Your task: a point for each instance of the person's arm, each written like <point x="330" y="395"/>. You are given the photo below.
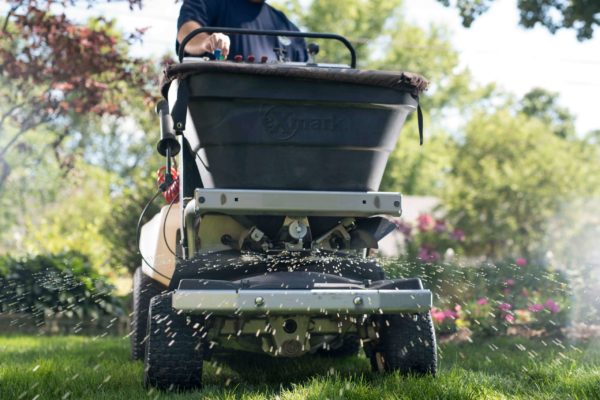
<point x="204" y="42"/>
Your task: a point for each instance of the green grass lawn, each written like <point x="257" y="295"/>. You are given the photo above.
<point x="99" y="368"/>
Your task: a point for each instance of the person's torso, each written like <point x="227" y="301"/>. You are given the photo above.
<point x="258" y="16"/>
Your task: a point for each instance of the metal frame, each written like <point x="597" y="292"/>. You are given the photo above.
<point x="303" y="302"/>
<point x="297" y="203"/>
<point x="238" y="31"/>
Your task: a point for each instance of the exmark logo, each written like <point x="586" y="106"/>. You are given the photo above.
<point x="283" y="124"/>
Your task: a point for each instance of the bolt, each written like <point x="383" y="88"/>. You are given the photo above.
<point x="358" y="301"/>
<point x="259" y="301"/>
<point x="298" y="230"/>
<point x="256" y="235"/>
<point x="179" y="125"/>
<point x="396" y="203"/>
<point x="201" y="199"/>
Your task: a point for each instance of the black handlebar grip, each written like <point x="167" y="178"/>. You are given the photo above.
<point x="167" y="141"/>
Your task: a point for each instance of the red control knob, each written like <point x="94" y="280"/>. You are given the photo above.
<point x="264" y="59"/>
<point x="238" y="58"/>
<point x="251" y="58"/>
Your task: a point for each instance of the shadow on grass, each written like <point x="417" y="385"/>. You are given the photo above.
<point x="265" y="370"/>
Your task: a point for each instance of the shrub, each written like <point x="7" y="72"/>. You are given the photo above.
<point x="59" y="284"/>
<point x="430" y="240"/>
<point x="488" y="298"/>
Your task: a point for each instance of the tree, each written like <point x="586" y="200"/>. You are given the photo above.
<point x="362" y="21"/>
<point x="581" y="15"/>
<point x="74" y="219"/>
<point x="543" y="105"/>
<point x="419" y="171"/>
<point x="593" y="137"/>
<point x="54" y="70"/>
<point x="75" y="126"/>
<point x="510" y="178"/>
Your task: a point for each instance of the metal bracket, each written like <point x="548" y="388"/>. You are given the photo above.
<point x="302" y="302"/>
<point x="297" y="203"/>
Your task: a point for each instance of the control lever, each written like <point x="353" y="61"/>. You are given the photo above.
<point x="168" y="146"/>
<point x="281" y="53"/>
<point x="313" y="50"/>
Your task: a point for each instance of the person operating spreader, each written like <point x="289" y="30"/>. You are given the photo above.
<point x="247" y="14"/>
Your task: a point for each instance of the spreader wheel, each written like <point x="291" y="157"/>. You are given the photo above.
<point x="406" y="344"/>
<point x="144" y="289"/>
<point x="174" y="349"/>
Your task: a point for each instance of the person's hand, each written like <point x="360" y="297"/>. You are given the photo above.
<point x="216" y="41"/>
<point x="204" y="42"/>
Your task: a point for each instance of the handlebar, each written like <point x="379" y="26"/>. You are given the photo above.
<point x="238" y="31"/>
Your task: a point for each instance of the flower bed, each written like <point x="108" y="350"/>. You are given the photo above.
<point x="488" y="298"/>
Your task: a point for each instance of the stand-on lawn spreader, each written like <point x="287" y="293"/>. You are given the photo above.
<point x="264" y="248"/>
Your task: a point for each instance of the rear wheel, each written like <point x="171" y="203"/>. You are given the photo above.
<point x="406" y="344"/>
<point x="144" y="289"/>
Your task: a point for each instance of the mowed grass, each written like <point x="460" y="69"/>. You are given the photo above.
<point x="100" y="368"/>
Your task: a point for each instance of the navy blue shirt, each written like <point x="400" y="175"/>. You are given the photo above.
<point x="248" y="15"/>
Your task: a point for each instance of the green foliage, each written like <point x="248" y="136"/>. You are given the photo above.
<point x="543" y="105"/>
<point x="491" y="298"/>
<point x="407" y="47"/>
<point x="580" y="15"/>
<point x="362" y="21"/>
<point x="59" y="173"/>
<point x="120" y="228"/>
<point x="73" y="220"/>
<point x="417" y="170"/>
<point x="54" y="70"/>
<point x="510" y="177"/>
<point x="593" y="137"/>
<point x="61" y="284"/>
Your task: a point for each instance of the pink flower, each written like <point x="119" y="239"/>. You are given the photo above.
<point x="64" y="86"/>
<point x="505" y="307"/>
<point x="535" y="307"/>
<point x="552" y="306"/>
<point x="509" y="282"/>
<point x="509" y="318"/>
<point x="450" y="314"/>
<point x="438" y="315"/>
<point x="458" y="235"/>
<point x="425" y="222"/>
<point x="440" y="226"/>
<point x="429" y="255"/>
<point x="482" y="301"/>
<point x="457" y="308"/>
<point x="521" y="262"/>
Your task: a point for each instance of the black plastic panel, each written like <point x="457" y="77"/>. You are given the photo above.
<point x="264" y="132"/>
